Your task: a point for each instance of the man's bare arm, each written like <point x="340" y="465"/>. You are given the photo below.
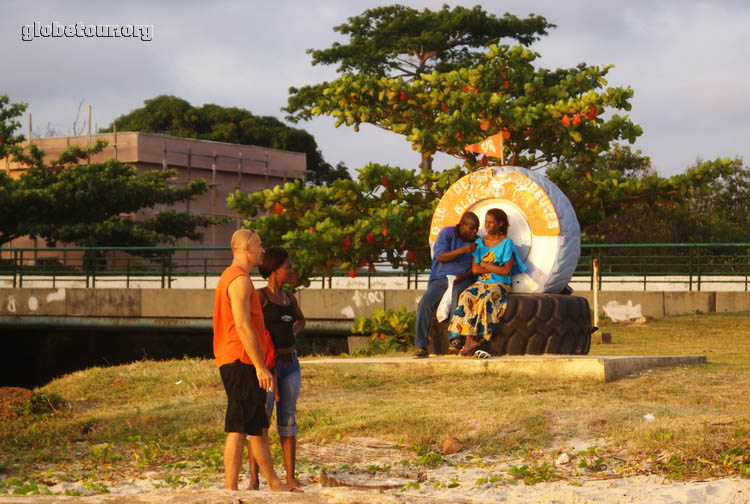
<point x="240" y="290"/>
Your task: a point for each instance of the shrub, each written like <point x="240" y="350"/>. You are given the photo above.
<point x="388" y="330"/>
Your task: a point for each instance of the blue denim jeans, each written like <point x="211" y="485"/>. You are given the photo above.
<point x="431" y="298"/>
<point x="288" y="377"/>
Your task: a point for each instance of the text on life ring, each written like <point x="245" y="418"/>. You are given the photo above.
<point x="485" y="184"/>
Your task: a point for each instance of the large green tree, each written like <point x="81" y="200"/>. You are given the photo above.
<point x="11" y="206"/>
<point x="349" y="225"/>
<point x="95" y="205"/>
<point x="624" y="200"/>
<point x="9" y="113"/>
<point x="435" y="78"/>
<point x="723" y="204"/>
<point x="397" y="41"/>
<point x="440" y="82"/>
<point x="174" y="116"/>
<point x="442" y="97"/>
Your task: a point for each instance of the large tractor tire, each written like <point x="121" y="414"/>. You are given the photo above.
<point x="533" y="324"/>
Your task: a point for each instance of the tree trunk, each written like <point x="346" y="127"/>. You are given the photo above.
<point x="426" y="163"/>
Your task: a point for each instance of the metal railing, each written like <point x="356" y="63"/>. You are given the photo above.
<point x="643" y="264"/>
<point x="160" y="265"/>
<point x="129" y="263"/>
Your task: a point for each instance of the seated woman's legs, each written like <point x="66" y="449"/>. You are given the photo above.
<point x="480" y="308"/>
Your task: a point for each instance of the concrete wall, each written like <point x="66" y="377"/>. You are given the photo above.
<point x="320" y="304"/>
<point x="670" y="303"/>
<point x="732" y="302"/>
<point x="651" y="303"/>
<point x="182" y="303"/>
<point x="337" y="304"/>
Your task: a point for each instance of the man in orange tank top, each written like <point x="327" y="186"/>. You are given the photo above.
<point x="238" y="347"/>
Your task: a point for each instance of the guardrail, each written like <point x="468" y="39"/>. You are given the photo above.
<point x="644" y="263"/>
<point x="621" y="263"/>
<point x="131" y="264"/>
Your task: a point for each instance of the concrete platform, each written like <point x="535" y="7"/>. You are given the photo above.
<point x="564" y="367"/>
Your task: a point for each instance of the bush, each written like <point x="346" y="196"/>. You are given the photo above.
<point x="41" y="403"/>
<point x="388" y="330"/>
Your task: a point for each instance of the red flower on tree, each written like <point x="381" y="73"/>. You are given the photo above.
<point x="352" y="273"/>
<point x="277" y="208"/>
<point x="565" y="120"/>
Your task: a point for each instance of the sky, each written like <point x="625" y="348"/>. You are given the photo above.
<point x="686" y="60"/>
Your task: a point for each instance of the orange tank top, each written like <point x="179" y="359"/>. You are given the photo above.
<point x="227" y="345"/>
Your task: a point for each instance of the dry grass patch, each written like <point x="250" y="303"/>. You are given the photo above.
<point x="168" y="416"/>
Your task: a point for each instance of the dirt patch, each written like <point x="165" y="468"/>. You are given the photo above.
<point x="359" y="451"/>
<point x="368" y="471"/>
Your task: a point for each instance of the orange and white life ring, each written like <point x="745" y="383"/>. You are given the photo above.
<point x="542" y="221"/>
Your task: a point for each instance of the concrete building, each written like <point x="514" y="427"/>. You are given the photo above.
<point x="224" y="166"/>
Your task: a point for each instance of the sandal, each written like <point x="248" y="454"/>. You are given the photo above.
<point x="421" y="353"/>
<point x="470" y="346"/>
<point x="481" y="354"/>
<point x="455" y="346"/>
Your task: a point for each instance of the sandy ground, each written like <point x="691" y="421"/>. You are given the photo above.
<point x="373" y="471"/>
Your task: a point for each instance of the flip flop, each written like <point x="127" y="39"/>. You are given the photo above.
<point x="481" y="354"/>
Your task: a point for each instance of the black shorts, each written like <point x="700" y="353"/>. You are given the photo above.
<point x="246" y="401"/>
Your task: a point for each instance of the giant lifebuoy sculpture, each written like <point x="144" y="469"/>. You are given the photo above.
<point x="543" y="223"/>
<point x="545" y="230"/>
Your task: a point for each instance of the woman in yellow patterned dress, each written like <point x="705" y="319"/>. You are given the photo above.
<point x="481" y="306"/>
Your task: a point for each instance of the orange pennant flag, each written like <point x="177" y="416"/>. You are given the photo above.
<point x="490" y="146"/>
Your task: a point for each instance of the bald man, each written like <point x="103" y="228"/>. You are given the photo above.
<point x="238" y="347"/>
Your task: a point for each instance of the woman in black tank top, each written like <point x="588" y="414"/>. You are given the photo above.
<point x="284" y="321"/>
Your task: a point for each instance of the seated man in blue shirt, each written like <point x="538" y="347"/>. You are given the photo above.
<point x="451" y="256"/>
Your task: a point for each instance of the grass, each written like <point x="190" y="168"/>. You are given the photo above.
<point x="168" y="416"/>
